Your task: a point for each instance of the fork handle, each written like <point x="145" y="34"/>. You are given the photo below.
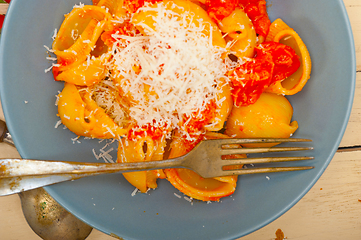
<point x="14" y="178"/>
<point x="10" y="168"/>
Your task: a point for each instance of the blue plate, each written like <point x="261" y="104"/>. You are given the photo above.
<point x="322" y="110"/>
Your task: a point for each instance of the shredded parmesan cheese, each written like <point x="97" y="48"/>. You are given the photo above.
<point x="134" y="192"/>
<point x="177" y="195"/>
<point x="54" y="34"/>
<point x="169" y="73"/>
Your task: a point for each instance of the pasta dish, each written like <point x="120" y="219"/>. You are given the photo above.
<point x="159" y="76"/>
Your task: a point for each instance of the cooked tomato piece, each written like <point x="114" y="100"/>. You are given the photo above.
<point x="285" y="59"/>
<point x="250" y="80"/>
<point x="2" y="17"/>
<point x="219" y="9"/>
<point x="273" y="62"/>
<point x="257" y="12"/>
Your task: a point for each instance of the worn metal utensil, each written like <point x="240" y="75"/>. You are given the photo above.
<point x="18" y="175"/>
<point x="48" y="219"/>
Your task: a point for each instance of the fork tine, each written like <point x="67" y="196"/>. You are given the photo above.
<point x="238" y="161"/>
<point x="230" y="151"/>
<point x="264" y="170"/>
<point x="262" y="140"/>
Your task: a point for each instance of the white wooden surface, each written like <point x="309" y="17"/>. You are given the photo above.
<point x="330" y="210"/>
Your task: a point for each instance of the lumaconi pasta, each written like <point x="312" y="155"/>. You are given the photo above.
<point x="239" y="28"/>
<point x="79" y="34"/>
<point x="187" y="181"/>
<point x="82" y="115"/>
<point x="159" y="76"/>
<point x="281" y="32"/>
<point x="222" y="113"/>
<point x="269" y="117"/>
<point x="133" y="151"/>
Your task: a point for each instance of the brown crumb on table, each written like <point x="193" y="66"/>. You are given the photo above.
<point x="359" y="200"/>
<point x="280" y="235"/>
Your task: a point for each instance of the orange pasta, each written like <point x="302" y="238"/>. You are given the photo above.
<point x="132" y="151"/>
<point x="195" y="186"/>
<point x="269" y="117"/>
<point x="159" y="76"/>
<point x="84" y="117"/>
<point x="280" y="32"/>
<point x="240" y="32"/>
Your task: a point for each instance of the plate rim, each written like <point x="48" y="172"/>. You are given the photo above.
<point x="286" y="208"/>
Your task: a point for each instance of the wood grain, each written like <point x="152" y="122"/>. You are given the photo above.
<point x="330" y="210"/>
<point x="3" y="8"/>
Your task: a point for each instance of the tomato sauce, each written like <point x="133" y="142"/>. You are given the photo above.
<point x="256" y="10"/>
<point x="219" y="9"/>
<point x="272" y="62"/>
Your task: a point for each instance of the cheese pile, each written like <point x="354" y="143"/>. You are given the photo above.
<point x="170" y="71"/>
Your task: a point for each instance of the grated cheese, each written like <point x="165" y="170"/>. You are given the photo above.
<point x="95" y="154"/>
<point x="54" y="34"/>
<point x="48" y="49"/>
<point x="76" y="140"/>
<point x="51" y="58"/>
<point x="58" y="123"/>
<point x="134" y="192"/>
<point x="177" y="195"/>
<point x="81" y="5"/>
<point x="169" y="73"/>
<point x="106" y="156"/>
<point x="48" y="69"/>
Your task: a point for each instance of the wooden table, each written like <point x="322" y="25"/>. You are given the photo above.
<point x="330" y="210"/>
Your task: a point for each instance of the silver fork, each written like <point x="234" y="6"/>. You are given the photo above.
<point x="18" y="175"/>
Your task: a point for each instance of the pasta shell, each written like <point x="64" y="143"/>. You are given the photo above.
<point x="239" y="28"/>
<point x="277" y="26"/>
<point x="78" y="35"/>
<point x="134" y="151"/>
<point x="81" y="115"/>
<point x="195" y="186"/>
<point x="86" y="74"/>
<point x="294" y="83"/>
<point x="269" y="117"/>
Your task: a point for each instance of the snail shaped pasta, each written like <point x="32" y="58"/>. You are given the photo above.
<point x="269" y="117"/>
<point x="77" y="37"/>
<point x="119" y="59"/>
<point x="115" y="7"/>
<point x="82" y="115"/>
<point x="135" y="151"/>
<point x="240" y="32"/>
<point x="224" y="96"/>
<point x="282" y="33"/>
<point x="195" y="186"/>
